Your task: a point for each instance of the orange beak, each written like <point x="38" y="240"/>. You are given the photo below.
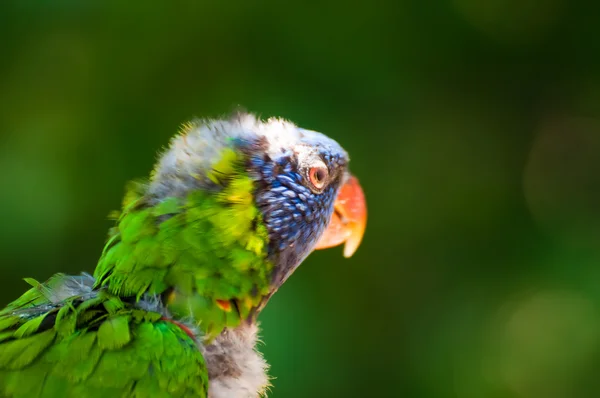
<point x="348" y="221"/>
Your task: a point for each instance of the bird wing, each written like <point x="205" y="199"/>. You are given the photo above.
<point x="93" y="345"/>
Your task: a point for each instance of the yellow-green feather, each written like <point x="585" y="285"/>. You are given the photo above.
<point x="206" y="247"/>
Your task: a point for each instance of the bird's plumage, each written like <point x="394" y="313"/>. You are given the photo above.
<point x="230" y="210"/>
<point x="93" y="344"/>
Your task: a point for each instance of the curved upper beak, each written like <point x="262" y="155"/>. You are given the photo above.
<point x="349" y="219"/>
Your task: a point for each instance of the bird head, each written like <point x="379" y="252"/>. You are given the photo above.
<point x="301" y="183"/>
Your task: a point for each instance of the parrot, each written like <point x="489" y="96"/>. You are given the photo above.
<point x="232" y="207"/>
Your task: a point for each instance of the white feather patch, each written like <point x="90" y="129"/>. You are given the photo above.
<point x="235" y="368"/>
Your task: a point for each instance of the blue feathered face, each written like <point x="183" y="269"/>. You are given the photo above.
<point x="298" y="174"/>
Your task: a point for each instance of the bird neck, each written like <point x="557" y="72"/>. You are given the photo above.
<point x="234" y="365"/>
<point x="205" y="255"/>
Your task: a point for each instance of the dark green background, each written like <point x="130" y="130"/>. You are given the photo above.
<point x="473" y="126"/>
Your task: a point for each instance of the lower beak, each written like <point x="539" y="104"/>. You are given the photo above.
<point x="349" y="219"/>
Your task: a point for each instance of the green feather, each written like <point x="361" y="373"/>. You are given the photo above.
<point x="29" y="327"/>
<point x="7" y="322"/>
<point x="114" y="333"/>
<point x="115" y="350"/>
<point x="19" y="353"/>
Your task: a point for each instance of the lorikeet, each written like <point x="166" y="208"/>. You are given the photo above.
<point x="231" y="209"/>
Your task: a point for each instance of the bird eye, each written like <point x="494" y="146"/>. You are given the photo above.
<point x="318" y="176"/>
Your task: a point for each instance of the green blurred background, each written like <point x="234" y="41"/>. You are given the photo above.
<point x="473" y="126"/>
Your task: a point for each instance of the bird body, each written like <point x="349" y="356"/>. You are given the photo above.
<point x="229" y="212"/>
